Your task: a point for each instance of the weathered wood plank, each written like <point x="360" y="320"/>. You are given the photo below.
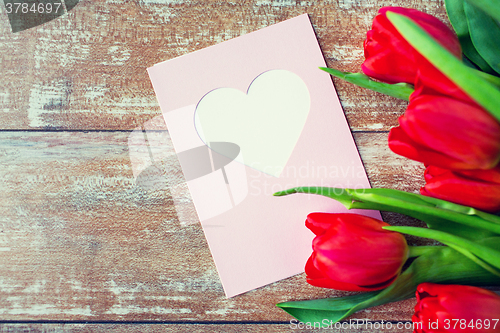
<point x="80" y="239"/>
<point x="87" y="69"/>
<point x="182" y="328"/>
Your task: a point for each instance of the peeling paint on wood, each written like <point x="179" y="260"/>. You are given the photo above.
<point x="87" y="69"/>
<point x="85" y="242"/>
<point x="82" y="237"/>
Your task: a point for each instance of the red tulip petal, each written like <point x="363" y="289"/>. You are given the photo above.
<point x="460" y="130"/>
<point x="465" y="191"/>
<point x="401" y="144"/>
<point x="437" y="303"/>
<point x="390" y="58"/>
<point x="359" y="251"/>
<point x="315" y="278"/>
<point x="431" y="25"/>
<point x="431" y="81"/>
<point x="447" y="133"/>
<point x="490" y="176"/>
<point x="319" y="223"/>
<point x="353" y="252"/>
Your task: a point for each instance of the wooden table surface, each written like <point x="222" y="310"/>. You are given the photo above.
<point x="83" y="247"/>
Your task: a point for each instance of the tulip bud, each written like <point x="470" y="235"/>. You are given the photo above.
<point x="390" y="58"/>
<point x="352" y="252"/>
<point x="447" y="132"/>
<point x="474" y="188"/>
<point x="455" y="308"/>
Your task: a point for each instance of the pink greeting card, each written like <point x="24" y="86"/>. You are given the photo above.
<point x="249" y="117"/>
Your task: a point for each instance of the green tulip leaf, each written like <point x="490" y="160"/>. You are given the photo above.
<point x="456" y="14"/>
<point x="493" y="242"/>
<point x="485" y="35"/>
<point x="484" y="32"/>
<point x="479" y="89"/>
<point x="332" y="309"/>
<point x="398" y="90"/>
<point x="483" y="252"/>
<point x="440" y="265"/>
<point x="474" y="258"/>
<point x="490" y="7"/>
<point x="417" y="251"/>
<point x="438" y="214"/>
<point x="490" y="78"/>
<point x="443" y="216"/>
<point x="468" y="62"/>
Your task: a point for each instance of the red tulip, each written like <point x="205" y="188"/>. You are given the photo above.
<point x="352" y="252"/>
<point x="447" y="132"/>
<point x="455" y="308"/>
<point x="475" y="188"/>
<point x="390" y="58"/>
<point x="431" y="81"/>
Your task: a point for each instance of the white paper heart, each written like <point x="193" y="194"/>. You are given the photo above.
<point x="265" y="123"/>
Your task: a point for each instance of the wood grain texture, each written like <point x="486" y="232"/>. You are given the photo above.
<point x="87" y="69"/>
<point x="81" y="238"/>
<point x="176" y="328"/>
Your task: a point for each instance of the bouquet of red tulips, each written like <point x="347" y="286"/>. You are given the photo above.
<point x="452" y="125"/>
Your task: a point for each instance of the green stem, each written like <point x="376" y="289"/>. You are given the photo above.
<point x="411" y="208"/>
<point x="477" y="260"/>
<point x="398" y="90"/>
<point x="441" y="265"/>
<point x="417" y="251"/>
<point x="438" y="214"/>
<point x="490" y="78"/>
<point x="485" y="253"/>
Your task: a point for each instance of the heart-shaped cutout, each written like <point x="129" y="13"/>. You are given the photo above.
<point x="265" y="123"/>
